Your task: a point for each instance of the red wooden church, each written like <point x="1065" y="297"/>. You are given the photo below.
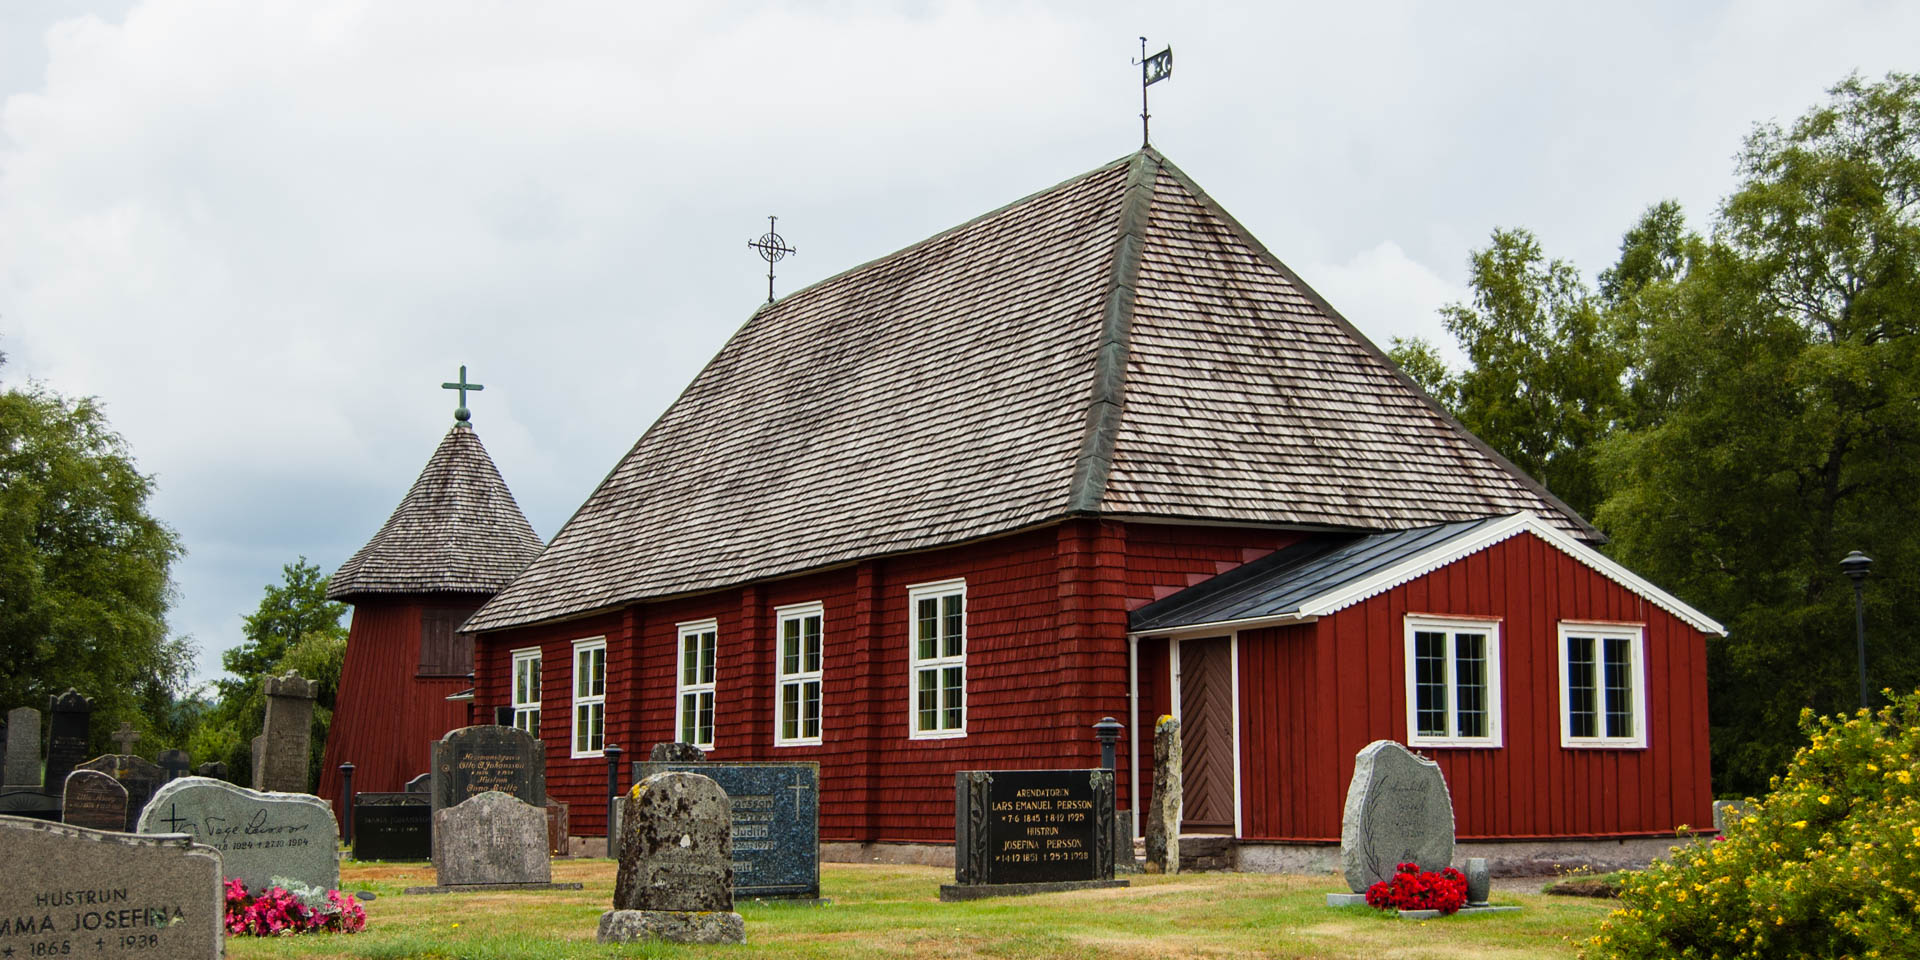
<point x="454" y="540"/>
<point x="1095" y="453"/>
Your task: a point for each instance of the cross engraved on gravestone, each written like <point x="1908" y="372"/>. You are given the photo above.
<point x="262" y="836"/>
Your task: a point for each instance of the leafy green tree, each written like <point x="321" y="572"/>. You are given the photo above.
<point x="84" y="567"/>
<point x="1422" y="361"/>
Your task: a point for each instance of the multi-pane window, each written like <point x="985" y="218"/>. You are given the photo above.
<point x="1602" y="685"/>
<point x="1453" y="682"/>
<point x="694" y="710"/>
<point x="589" y="697"/>
<point x="526" y="691"/>
<point x="797" y="674"/>
<point x="937" y="617"/>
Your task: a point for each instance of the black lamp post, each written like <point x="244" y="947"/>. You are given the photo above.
<point x="1107" y="731"/>
<point x="346" y="799"/>
<point x="1855" y="566"/>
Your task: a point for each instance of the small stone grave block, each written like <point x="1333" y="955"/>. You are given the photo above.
<point x="490" y="842"/>
<point x="1031" y="831"/>
<point x="775" y="827"/>
<point x="94" y="800"/>
<point x="138" y="774"/>
<point x="264" y="838"/>
<point x="212" y="769"/>
<point x="556" y="828"/>
<point x="1398" y="811"/>
<point x="75" y="892"/>
<point x="69" y="727"/>
<point x="23" y="749"/>
<point x="392" y="826"/>
<point x="676" y="864"/>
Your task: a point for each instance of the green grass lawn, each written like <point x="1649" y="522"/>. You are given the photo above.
<point x="893" y="911"/>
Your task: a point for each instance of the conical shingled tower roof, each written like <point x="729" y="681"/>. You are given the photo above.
<point x="458" y="530"/>
<point x="1117" y="345"/>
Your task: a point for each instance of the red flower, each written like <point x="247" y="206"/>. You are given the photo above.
<point x="1411" y="889"/>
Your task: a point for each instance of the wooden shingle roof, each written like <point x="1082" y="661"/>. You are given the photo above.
<point x="458" y="530"/>
<point x="1115" y="345"/>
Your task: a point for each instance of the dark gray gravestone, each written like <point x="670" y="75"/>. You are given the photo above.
<point x="1028" y="831"/>
<point x="420" y="784"/>
<point x="287" y="752"/>
<point x="94" y="800"/>
<point x="556" y="828"/>
<point x="23" y="749"/>
<point x="474" y="760"/>
<point x="775" y="827"/>
<point x="31" y="802"/>
<point x="392" y="826"/>
<point x="138" y="774"/>
<point x="174" y="764"/>
<point x="491" y="838"/>
<point x="264" y="838"/>
<point x="675" y="753"/>
<point x="69" y="728"/>
<point x="212" y="769"/>
<point x="676" y="866"/>
<point x="1398" y="811"/>
<point x="71" y="892"/>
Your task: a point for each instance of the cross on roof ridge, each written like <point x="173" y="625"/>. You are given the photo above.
<point x="461" y="413"/>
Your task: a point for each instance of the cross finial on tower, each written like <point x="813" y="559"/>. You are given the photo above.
<point x="461" y="413"/>
<point x="773" y="248"/>
<point x="1152" y="70"/>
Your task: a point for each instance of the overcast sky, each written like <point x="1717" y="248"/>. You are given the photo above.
<point x="263" y="232"/>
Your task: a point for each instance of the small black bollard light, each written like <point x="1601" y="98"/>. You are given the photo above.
<point x="346" y="800"/>
<point x="1107" y="731"/>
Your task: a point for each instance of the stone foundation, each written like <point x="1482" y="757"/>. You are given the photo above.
<point x="1505" y="858"/>
<point x="672" y="926"/>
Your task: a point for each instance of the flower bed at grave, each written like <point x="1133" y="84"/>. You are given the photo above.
<point x="1410" y="889"/>
<point x="275" y="912"/>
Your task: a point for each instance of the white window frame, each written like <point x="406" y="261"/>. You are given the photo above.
<point x="682" y="689"/>
<point x="526" y="700"/>
<point x="1452" y="627"/>
<point x="584" y="696"/>
<point x="799" y="614"/>
<point x="1636" y="636"/>
<point x="939" y="663"/>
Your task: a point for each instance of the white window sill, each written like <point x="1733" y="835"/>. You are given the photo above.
<point x="938" y="735"/>
<point x="797" y="743"/>
<point x="1584" y="744"/>
<point x="1453" y="744"/>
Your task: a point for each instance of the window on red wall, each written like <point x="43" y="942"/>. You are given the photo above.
<point x="1453" y="681"/>
<point x="1603" y="693"/>
<point x="937" y="617"/>
<point x="798" y="672"/>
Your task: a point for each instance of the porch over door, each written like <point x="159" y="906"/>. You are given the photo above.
<point x="1206" y="735"/>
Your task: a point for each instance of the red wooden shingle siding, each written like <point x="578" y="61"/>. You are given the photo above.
<point x="1312" y="696"/>
<point x="385" y="718"/>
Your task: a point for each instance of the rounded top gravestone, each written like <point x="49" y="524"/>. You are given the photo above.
<point x="264" y="838"/>
<point x="1398" y="811"/>
<point x="491" y="838"/>
<point x="677" y="848"/>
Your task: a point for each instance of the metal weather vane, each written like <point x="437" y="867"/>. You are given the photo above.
<point x="1152" y="70"/>
<point x="461" y="413"/>
<point x="773" y="248"/>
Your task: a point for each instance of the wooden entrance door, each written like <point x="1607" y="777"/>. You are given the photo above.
<point x="1206" y="735"/>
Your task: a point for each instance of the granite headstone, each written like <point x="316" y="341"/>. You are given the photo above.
<point x="138" y="774"/>
<point x="69" y="729"/>
<point x="420" y="784"/>
<point x="491" y="838"/>
<point x="1027" y="831"/>
<point x="258" y="749"/>
<point x="474" y="760"/>
<point x="214" y="769"/>
<point x="94" y="800"/>
<point x="1163" y="814"/>
<point x="1398" y="811"/>
<point x="71" y="891"/>
<point x="23" y="748"/>
<point x="775" y="826"/>
<point x="174" y="764"/>
<point x="676" y="864"/>
<point x="264" y="837"/>
<point x="392" y="826"/>
<point x="675" y="752"/>
<point x="287" y="753"/>
<point x="29" y="802"/>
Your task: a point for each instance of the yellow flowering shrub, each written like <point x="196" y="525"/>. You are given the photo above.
<point x="1826" y="865"/>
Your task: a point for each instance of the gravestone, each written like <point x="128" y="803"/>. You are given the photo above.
<point x="174" y="764"/>
<point x="69" y="728"/>
<point x="212" y="769"/>
<point x="420" y="784"/>
<point x="1398" y="811"/>
<point x="31" y="802"/>
<point x="392" y="826"/>
<point x="74" y="892"/>
<point x="474" y="760"/>
<point x="1163" y="815"/>
<point x="676" y="864"/>
<point x="264" y="838"/>
<point x="139" y="775"/>
<point x="775" y="826"/>
<point x="675" y="752"/>
<point x="94" y="800"/>
<point x="557" y="828"/>
<point x="23" y="748"/>
<point x="126" y="737"/>
<point x="491" y="841"/>
<point x="1031" y="831"/>
<point x="287" y="751"/>
<point x="258" y="747"/>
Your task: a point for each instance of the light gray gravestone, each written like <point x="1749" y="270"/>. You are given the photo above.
<point x="23" y="748"/>
<point x="137" y="774"/>
<point x="676" y="752"/>
<point x="287" y="752"/>
<point x="69" y="729"/>
<point x="258" y="746"/>
<point x="1398" y="811"/>
<point x="71" y="892"/>
<point x="264" y="838"/>
<point x="1163" y="815"/>
<point x="94" y="800"/>
<point x="491" y="838"/>
<point x="676" y="864"/>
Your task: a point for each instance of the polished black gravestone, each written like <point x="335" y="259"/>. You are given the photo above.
<point x="776" y="824"/>
<point x="31" y="802"/>
<point x="392" y="826"/>
<point x="471" y="761"/>
<point x="69" y="727"/>
<point x="1031" y="831"/>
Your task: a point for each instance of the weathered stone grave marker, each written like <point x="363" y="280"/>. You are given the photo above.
<point x="287" y="751"/>
<point x="675" y="752"/>
<point x="212" y="769"/>
<point x="676" y="865"/>
<point x="1398" y="811"/>
<point x="23" y="749"/>
<point x="94" y="800"/>
<point x="126" y="737"/>
<point x="775" y="827"/>
<point x="1163" y="816"/>
<point x="174" y="764"/>
<point x="1031" y="831"/>
<point x="71" y="891"/>
<point x="137" y="774"/>
<point x="264" y="838"/>
<point x="474" y="760"/>
<point x="69" y="728"/>
<point x="488" y="842"/>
